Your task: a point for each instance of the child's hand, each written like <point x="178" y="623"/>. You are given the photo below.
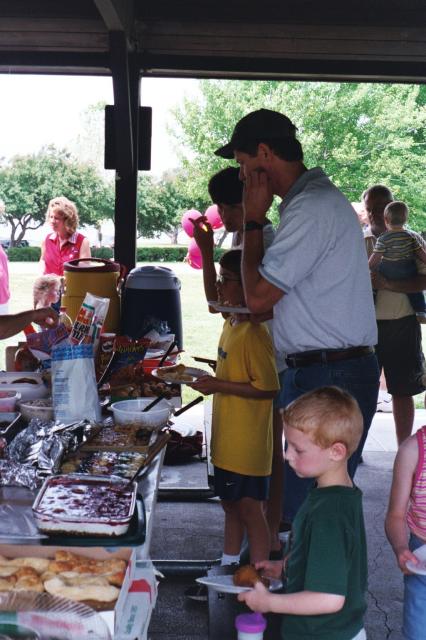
<point x="402" y="556"/>
<point x="205" y="385"/>
<point x="257" y="599"/>
<point x="271" y="568"/>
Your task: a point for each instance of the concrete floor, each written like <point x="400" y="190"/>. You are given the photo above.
<point x="193" y="530"/>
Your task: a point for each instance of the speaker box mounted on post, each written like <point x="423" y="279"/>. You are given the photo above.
<point x="144" y="138"/>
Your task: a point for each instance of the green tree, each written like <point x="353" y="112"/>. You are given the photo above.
<point x="27" y="183"/>
<point x="360" y="134"/>
<point x="161" y="204"/>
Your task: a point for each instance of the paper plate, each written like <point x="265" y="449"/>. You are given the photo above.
<point x="225" y="308"/>
<point x="225" y="584"/>
<point x="41" y="616"/>
<point x="191" y="371"/>
<point x="420" y="568"/>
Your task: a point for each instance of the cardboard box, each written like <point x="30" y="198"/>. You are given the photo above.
<point x="138" y="593"/>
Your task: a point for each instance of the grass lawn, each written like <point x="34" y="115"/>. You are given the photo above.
<point x="201" y="329"/>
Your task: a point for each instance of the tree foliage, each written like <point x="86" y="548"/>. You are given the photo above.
<point x="161" y="204"/>
<point x="27" y="183"/>
<point x="360" y="134"/>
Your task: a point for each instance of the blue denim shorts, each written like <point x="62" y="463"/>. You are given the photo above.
<point x="414" y="618"/>
<point x="232" y="486"/>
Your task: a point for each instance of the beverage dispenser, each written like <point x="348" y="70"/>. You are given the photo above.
<point x="151" y="298"/>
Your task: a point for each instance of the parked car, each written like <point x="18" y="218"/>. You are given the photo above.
<point x="6" y="243"/>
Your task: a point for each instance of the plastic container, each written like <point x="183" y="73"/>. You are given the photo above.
<point x="151" y="298"/>
<point x="96" y="276"/>
<point x="250" y="626"/>
<point x="28" y="383"/>
<point x="8" y="400"/>
<point x="40" y="408"/>
<point x="131" y="411"/>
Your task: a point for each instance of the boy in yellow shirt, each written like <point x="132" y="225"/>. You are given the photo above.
<point x="241" y="446"/>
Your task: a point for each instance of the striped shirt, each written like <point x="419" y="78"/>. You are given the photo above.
<point x="399" y="245"/>
<point x="416" y="514"/>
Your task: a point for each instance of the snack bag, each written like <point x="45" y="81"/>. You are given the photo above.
<point x="126" y="364"/>
<point x="41" y="342"/>
<point x="88" y="323"/>
<point x="74" y="390"/>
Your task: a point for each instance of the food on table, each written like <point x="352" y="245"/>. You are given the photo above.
<point x="85" y="505"/>
<point x="82" y="589"/>
<point x="105" y="463"/>
<point x="22" y="381"/>
<point x="78" y="578"/>
<point x="247" y="576"/>
<point x="129" y="437"/>
<point x="175" y="372"/>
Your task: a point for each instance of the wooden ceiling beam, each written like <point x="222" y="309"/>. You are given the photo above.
<point x="118" y="15"/>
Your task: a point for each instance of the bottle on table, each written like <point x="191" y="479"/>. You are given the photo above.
<point x="64" y="318"/>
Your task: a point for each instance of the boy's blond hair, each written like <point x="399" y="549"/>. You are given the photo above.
<point x="396" y="213"/>
<point x="43" y="285"/>
<point x="328" y="415"/>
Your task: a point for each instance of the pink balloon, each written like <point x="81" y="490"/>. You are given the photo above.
<point x="212" y="215"/>
<point x="194" y="257"/>
<point x="186" y="223"/>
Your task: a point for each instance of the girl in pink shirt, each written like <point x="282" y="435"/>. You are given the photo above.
<point x="4" y="283"/>
<point x="407" y="514"/>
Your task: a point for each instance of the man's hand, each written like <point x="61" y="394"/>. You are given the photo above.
<point x="205" y="385"/>
<point x="203" y="234"/>
<point x="378" y="281"/>
<point x="46" y="317"/>
<point x="257" y="196"/>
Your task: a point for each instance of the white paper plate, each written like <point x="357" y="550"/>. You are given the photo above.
<point x="420" y="568"/>
<point x="224" y="308"/>
<point x="191" y="371"/>
<point x="225" y="584"/>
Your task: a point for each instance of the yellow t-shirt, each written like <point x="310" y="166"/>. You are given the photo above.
<point x="242" y="427"/>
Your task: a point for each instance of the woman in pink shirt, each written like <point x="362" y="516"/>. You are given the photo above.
<point x="4" y="283"/>
<point x="64" y="243"/>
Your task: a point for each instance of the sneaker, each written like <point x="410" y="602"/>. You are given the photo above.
<point x="197" y="592"/>
<point x="384" y="402"/>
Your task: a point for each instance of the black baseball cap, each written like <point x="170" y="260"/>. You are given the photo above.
<point x="257" y="125"/>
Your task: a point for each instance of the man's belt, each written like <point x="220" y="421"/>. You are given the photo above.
<point x="306" y="358"/>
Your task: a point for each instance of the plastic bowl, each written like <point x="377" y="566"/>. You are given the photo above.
<point x="8" y="401"/>
<point x="39" y="408"/>
<point x="130" y="412"/>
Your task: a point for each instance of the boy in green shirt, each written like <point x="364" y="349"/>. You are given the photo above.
<point x="326" y="569"/>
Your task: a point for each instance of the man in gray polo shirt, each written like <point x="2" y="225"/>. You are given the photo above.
<point x="314" y="276"/>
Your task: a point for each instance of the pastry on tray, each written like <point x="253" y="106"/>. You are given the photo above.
<point x="94" y="582"/>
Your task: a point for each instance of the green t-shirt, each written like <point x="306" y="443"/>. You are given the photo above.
<point x="329" y="555"/>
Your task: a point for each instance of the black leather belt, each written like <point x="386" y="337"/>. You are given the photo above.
<point x="306" y="358"/>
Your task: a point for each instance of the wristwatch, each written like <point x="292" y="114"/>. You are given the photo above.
<point x="252" y="225"/>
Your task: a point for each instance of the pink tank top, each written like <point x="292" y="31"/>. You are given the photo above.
<point x="4" y="277"/>
<point x="416" y="514"/>
<point x="55" y="255"/>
